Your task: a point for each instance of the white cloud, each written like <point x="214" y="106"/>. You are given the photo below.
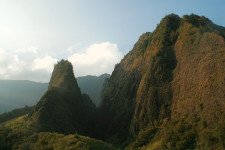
<point x="26" y="50"/>
<point x="36" y="65"/>
<point x="70" y="49"/>
<point x="45" y="63"/>
<point x="96" y="59"/>
<point x="73" y="48"/>
<point x="25" y="64"/>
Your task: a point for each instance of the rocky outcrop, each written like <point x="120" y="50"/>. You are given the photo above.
<point x="62" y="108"/>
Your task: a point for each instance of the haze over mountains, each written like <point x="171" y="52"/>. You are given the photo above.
<point x="92" y="85"/>
<point x="166" y="93"/>
<point x="18" y="93"/>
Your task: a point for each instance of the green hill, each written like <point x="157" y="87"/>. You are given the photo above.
<point x="19" y="134"/>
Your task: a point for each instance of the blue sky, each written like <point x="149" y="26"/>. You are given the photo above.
<point x="37" y="33"/>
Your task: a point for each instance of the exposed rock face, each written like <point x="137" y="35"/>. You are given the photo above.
<point x="154" y="95"/>
<point x="63" y="108"/>
<point x="176" y="72"/>
<point x="63" y="77"/>
<point x="199" y="78"/>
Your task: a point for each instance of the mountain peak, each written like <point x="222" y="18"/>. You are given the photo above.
<point x="62" y="108"/>
<point x="63" y="76"/>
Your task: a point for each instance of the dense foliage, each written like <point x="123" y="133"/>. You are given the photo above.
<point x="12" y="136"/>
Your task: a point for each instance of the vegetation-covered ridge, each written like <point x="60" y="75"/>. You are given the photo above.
<point x="174" y="76"/>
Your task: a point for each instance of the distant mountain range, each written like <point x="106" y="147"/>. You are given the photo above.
<point x="18" y="93"/>
<point x="92" y="85"/>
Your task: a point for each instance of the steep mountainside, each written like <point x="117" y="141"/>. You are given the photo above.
<point x="62" y="108"/>
<point x="14" y="94"/>
<point x="174" y="75"/>
<point x="92" y="85"/>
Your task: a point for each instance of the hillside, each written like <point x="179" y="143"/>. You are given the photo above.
<point x="13" y="94"/>
<point x="92" y="86"/>
<point x="15" y="113"/>
<point x="19" y="134"/>
<point x="173" y="77"/>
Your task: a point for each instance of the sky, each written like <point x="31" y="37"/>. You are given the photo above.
<point x="93" y="34"/>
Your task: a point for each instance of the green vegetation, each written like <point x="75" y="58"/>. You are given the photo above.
<point x="15" y="113"/>
<point x="12" y="137"/>
<point x="52" y="141"/>
<point x="181" y="134"/>
<point x="143" y="138"/>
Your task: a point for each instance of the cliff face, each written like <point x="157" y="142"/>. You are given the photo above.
<point x="198" y="85"/>
<point x="174" y="73"/>
<point x="154" y="95"/>
<point x="118" y="96"/>
<point x="62" y="108"/>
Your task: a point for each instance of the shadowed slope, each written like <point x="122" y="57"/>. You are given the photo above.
<point x="62" y="108"/>
<point x="92" y="85"/>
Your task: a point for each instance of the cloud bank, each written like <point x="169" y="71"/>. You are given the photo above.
<point x="25" y="64"/>
<point x="96" y="59"/>
<point x="32" y="64"/>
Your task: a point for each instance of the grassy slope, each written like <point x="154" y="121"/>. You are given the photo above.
<point x="15" y="113"/>
<point x="19" y="134"/>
